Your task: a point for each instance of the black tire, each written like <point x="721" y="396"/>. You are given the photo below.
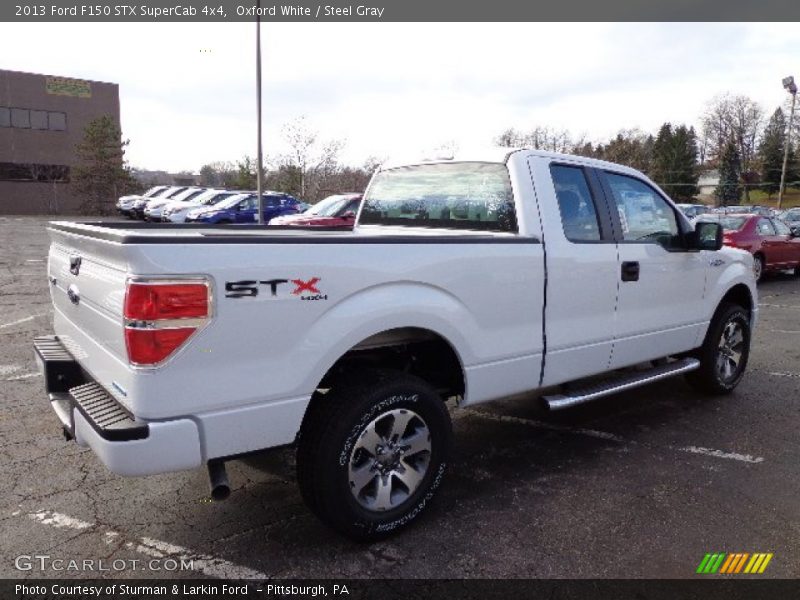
<point x="758" y="267"/>
<point x="332" y="444"/>
<point x="716" y="355"/>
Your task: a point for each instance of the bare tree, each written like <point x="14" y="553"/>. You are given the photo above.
<point x="312" y="166"/>
<point x="737" y="119"/>
<point x="539" y="138"/>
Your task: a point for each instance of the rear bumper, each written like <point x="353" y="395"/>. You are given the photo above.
<point x="93" y="418"/>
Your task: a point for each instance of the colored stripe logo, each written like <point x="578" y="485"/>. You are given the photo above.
<point x="734" y="563"/>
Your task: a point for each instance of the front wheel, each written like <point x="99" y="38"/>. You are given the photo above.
<point x="372" y="453"/>
<point x="724" y="353"/>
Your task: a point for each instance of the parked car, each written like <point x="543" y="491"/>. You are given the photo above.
<point x="693" y="210"/>
<point x="773" y="244"/>
<point x="137" y="208"/>
<point x="154" y="208"/>
<point x="175" y="211"/>
<point x="125" y="203"/>
<point x="174" y="350"/>
<point x="334" y="211"/>
<point x="791" y="217"/>
<point x="243" y="208"/>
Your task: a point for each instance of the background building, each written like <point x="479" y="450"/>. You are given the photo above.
<point x="42" y="118"/>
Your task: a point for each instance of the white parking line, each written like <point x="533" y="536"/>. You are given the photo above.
<point x="783" y="374"/>
<point x="720" y="454"/>
<point x="604" y="435"/>
<point x="18" y="321"/>
<point x="23" y="320"/>
<point x="601" y="435"/>
<point x="57" y="520"/>
<point x="204" y="563"/>
<point x="24" y="376"/>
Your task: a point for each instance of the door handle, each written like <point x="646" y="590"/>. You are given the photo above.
<point x="630" y="270"/>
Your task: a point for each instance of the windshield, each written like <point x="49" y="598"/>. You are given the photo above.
<point x="191" y="195"/>
<point x="153" y="191"/>
<point x="231" y="201"/>
<point x="331" y="206"/>
<point x="215" y="198"/>
<point x="466" y="195"/>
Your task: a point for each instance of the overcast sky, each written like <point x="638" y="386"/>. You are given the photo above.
<point x="187" y="91"/>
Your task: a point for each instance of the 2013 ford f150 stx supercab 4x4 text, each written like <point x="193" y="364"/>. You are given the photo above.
<point x="474" y="277"/>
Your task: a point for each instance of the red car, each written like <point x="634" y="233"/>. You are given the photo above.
<point x="334" y="211"/>
<point x="774" y="246"/>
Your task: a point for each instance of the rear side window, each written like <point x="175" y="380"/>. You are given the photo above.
<point x="465" y="195"/>
<point x="643" y="213"/>
<point x="578" y="212"/>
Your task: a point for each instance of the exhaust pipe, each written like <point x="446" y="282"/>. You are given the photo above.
<point x="218" y="478"/>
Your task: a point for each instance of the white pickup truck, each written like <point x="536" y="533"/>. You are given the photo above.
<point x="474" y="277"/>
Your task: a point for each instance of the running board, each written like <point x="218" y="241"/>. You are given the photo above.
<point x="625" y="382"/>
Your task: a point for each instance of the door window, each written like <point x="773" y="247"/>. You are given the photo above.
<point x="781" y="227"/>
<point x="644" y="215"/>
<point x="575" y="202"/>
<point x="765" y="227"/>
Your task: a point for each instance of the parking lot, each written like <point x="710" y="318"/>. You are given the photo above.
<point x="641" y="484"/>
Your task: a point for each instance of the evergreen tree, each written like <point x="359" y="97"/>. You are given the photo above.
<point x="674" y="164"/>
<point x="770" y="155"/>
<point x="729" y="190"/>
<point x="770" y="152"/>
<point x="102" y="175"/>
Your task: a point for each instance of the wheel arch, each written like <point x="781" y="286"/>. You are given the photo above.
<point x="738" y="294"/>
<point x="419" y="350"/>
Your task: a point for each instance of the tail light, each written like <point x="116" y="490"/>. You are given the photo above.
<point x="161" y="316"/>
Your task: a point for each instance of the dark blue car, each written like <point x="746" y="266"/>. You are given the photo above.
<point x="242" y="208"/>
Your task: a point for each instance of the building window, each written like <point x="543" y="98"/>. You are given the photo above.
<point x="58" y="121"/>
<point x="34" y="172"/>
<point x="21" y="118"/>
<point x="39" y="119"/>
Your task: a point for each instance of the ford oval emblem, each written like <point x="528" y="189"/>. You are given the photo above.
<point x="73" y="294"/>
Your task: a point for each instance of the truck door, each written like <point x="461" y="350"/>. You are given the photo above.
<point x="582" y="267"/>
<point x="660" y="309"/>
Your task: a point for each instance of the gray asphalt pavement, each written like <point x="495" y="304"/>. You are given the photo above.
<point x="641" y="484"/>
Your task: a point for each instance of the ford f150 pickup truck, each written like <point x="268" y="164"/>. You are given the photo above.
<point x="472" y="277"/>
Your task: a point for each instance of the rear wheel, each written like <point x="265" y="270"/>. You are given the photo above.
<point x="372" y="453"/>
<point x="724" y="353"/>
<point x="758" y="267"/>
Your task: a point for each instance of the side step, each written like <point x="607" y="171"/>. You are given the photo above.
<point x="625" y="382"/>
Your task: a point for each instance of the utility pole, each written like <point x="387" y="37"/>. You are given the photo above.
<point x="791" y="87"/>
<point x="260" y="158"/>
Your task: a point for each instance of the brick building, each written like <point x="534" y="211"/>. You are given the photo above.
<point x="42" y="118"/>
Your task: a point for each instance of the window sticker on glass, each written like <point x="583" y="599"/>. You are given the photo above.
<point x="623" y="219"/>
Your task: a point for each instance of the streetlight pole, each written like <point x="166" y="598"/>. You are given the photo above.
<point x="791" y="87"/>
<point x="260" y="157"/>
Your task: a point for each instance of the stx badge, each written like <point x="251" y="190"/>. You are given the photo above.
<point x="250" y="288"/>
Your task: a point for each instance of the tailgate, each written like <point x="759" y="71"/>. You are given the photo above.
<point x="87" y="286"/>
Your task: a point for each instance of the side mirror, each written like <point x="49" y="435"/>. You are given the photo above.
<point x="350" y="214"/>
<point x="795" y="231"/>
<point x="706" y="236"/>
